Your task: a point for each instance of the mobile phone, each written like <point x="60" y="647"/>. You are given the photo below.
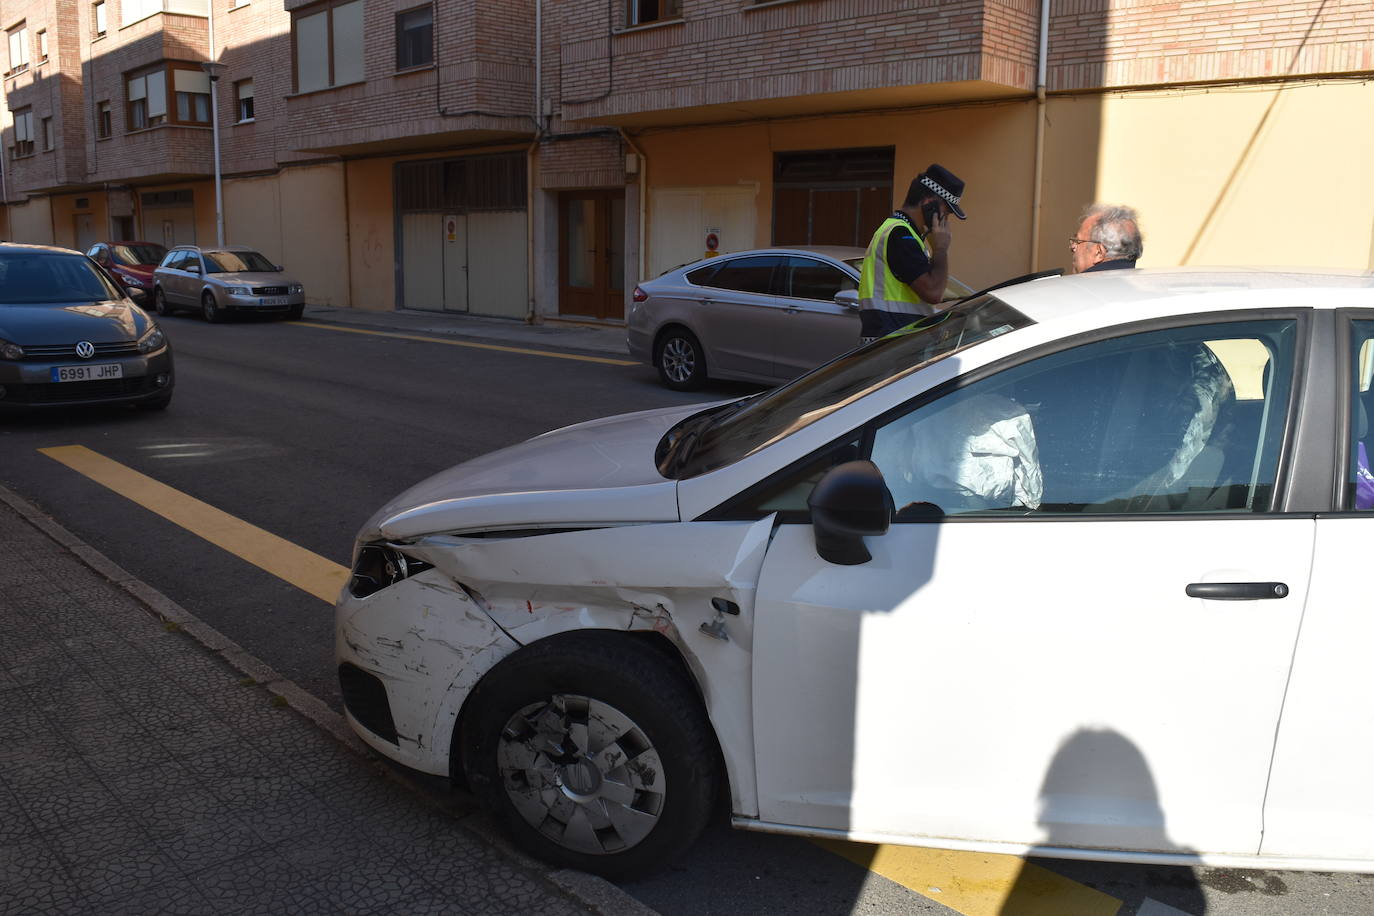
<point x="931" y="211"/>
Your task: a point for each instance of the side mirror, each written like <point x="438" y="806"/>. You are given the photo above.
<point x="849" y="298"/>
<point x="849" y="503"/>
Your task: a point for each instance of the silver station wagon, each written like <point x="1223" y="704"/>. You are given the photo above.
<point x="220" y="282"/>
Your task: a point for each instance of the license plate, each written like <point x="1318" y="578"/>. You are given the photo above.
<point x="87" y="373"/>
<point x="273" y="300"/>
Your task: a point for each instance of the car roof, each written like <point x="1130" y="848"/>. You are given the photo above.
<point x="1053" y="298"/>
<point x="51" y="249"/>
<point x="838" y="252"/>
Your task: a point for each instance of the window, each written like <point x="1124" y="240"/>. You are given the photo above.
<point x="641" y="12"/>
<point x="192" y="91"/>
<point x="831" y="197"/>
<point x="1188" y="419"/>
<point x="23" y="134"/>
<point x="1360" y="482"/>
<point x="42" y="45"/>
<point x="807" y="278"/>
<point x="98" y="18"/>
<point x="329" y="46"/>
<point x="183" y="87"/>
<point x="415" y="38"/>
<point x="147" y="100"/>
<point x="103" y="126"/>
<point x="243" y="100"/>
<point x="747" y="275"/>
<point x="19" y="49"/>
<point x="47" y="134"/>
<point x="717" y="437"/>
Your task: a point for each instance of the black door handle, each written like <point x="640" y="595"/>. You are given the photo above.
<point x="1237" y="591"/>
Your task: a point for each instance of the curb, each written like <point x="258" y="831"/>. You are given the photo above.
<point x="593" y="892"/>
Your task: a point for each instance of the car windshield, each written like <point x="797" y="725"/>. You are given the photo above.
<point x="134" y="255"/>
<point x="40" y="278"/>
<point x="724" y="434"/>
<point x="230" y="262"/>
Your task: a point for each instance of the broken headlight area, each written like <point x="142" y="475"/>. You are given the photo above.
<point x="380" y="566"/>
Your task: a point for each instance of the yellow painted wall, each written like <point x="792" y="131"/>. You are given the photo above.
<point x="989" y="146"/>
<point x="1248" y="177"/>
<point x="371" y="235"/>
<point x="314" y="231"/>
<point x="64" y="211"/>
<point x="252" y="215"/>
<point x="31" y="222"/>
<point x="1222" y="176"/>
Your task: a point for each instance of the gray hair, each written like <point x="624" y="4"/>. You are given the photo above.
<point x="1117" y="228"/>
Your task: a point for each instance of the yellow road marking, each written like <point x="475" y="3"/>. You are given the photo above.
<point x="605" y="360"/>
<point x="307" y="571"/>
<point x="973" y="884"/>
<point x="978" y="884"/>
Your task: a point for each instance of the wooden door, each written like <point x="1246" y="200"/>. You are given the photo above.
<point x="591" y="267"/>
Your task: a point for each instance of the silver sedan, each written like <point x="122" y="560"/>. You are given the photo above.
<point x="766" y="315"/>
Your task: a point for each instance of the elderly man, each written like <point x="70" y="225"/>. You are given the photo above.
<point x="1108" y="238"/>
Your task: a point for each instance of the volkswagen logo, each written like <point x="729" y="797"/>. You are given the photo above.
<point x="85" y="349"/>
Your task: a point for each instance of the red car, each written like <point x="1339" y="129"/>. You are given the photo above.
<point x="131" y="263"/>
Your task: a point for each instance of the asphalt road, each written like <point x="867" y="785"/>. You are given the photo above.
<point x="304" y="431"/>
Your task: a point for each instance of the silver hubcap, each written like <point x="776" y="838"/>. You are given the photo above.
<point x="679" y="359"/>
<point x="581" y="773"/>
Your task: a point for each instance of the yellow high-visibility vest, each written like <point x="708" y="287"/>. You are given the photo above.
<point x="878" y="287"/>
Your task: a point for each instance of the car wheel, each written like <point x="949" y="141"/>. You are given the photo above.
<point x="296" y="312"/>
<point x="160" y="303"/>
<point x="594" y="751"/>
<point x="681" y="364"/>
<point x="210" y="309"/>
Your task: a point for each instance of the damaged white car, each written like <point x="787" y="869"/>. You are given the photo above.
<point x="1069" y="569"/>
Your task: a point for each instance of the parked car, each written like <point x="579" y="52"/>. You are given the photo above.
<point x="757" y="316"/>
<point x="221" y="282"/>
<point x="131" y="264"/>
<point x="70" y="336"/>
<point x="1074" y="569"/>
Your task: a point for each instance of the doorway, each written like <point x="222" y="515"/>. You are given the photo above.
<point x="591" y="264"/>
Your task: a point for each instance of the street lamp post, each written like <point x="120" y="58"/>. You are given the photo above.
<point x="214" y="68"/>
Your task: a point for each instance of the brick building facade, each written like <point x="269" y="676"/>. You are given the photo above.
<point x="533" y="159"/>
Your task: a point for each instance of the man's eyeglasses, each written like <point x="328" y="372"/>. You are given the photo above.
<point x="1074" y="243"/>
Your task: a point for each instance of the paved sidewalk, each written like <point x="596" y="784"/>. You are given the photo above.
<point x="607" y="339"/>
<point x="141" y="773"/>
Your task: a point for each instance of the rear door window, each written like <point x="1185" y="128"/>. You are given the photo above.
<point x="749" y="275"/>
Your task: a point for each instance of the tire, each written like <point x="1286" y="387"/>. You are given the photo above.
<point x="209" y="309"/>
<point x="680" y="360"/>
<point x="160" y="303"/>
<point x="297" y="311"/>
<point x="622" y="797"/>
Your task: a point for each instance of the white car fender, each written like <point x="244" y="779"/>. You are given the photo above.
<point x="536" y="587"/>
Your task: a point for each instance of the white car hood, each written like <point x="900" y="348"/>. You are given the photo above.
<point x="601" y="471"/>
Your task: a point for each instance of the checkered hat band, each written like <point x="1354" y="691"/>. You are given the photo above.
<point x="939" y="190"/>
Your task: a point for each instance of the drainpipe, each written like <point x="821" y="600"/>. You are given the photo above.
<point x="531" y="159"/>
<point x="1041" y="70"/>
<point x="643" y="200"/>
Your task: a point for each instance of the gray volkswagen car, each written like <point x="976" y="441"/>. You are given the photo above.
<point x="766" y="315"/>
<point x="221" y="282"/>
<point x="70" y="336"/>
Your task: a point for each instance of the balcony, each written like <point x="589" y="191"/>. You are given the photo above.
<point x="789" y="59"/>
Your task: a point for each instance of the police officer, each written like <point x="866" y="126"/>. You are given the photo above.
<point x="907" y="264"/>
